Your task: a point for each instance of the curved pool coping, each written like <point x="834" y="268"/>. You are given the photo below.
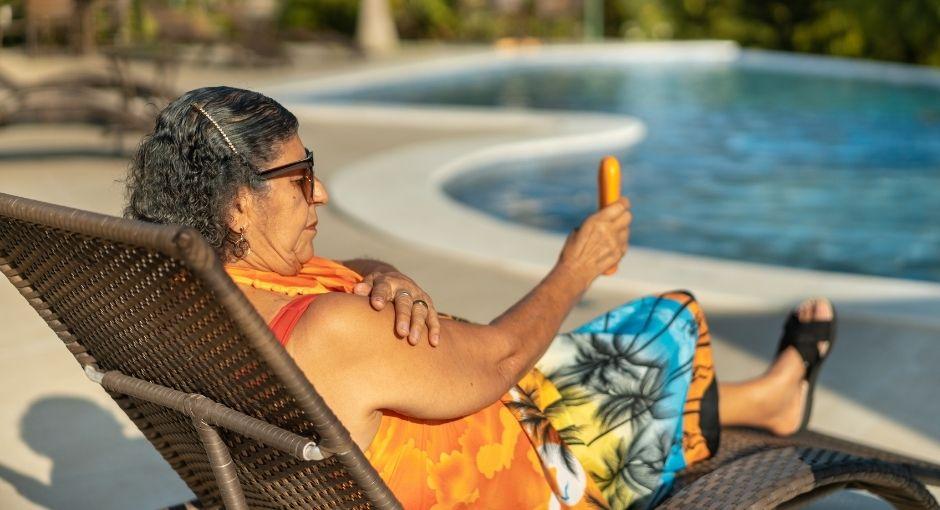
<point x="373" y="191"/>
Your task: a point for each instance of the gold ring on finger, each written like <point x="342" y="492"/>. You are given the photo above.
<point x="421" y="301"/>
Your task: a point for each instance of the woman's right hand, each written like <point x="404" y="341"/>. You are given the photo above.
<point x="599" y="243"/>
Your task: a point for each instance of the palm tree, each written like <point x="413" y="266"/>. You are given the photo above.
<point x="614" y="481"/>
<point x="537" y="424"/>
<point x="647" y="458"/>
<point x="633" y="403"/>
<point x="610" y="358"/>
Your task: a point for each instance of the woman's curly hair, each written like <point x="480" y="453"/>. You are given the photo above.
<point x="188" y="171"/>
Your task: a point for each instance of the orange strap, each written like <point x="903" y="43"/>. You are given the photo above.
<point x="287" y="317"/>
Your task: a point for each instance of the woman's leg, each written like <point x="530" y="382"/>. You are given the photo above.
<point x="636" y="395"/>
<point x="775" y="400"/>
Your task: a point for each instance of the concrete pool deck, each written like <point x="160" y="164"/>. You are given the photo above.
<point x="66" y="445"/>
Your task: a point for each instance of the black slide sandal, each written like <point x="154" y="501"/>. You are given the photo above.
<point x="805" y="336"/>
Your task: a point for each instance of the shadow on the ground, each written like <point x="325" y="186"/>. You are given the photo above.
<point x="890" y="368"/>
<point x="94" y="465"/>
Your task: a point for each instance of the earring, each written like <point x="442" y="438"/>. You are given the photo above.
<point x="242" y="248"/>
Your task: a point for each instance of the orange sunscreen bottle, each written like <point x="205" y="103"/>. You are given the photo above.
<point x="608" y="187"/>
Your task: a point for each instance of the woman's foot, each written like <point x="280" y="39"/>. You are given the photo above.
<point x="788" y="374"/>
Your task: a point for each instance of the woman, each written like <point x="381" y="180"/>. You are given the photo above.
<point x="508" y="414"/>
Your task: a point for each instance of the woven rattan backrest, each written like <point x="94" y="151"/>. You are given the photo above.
<point x="154" y="303"/>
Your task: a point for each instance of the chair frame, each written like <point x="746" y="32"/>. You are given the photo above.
<point x="186" y="247"/>
<point x="751" y="470"/>
<point x="207" y="415"/>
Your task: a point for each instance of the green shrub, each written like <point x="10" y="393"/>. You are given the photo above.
<point x="312" y="16"/>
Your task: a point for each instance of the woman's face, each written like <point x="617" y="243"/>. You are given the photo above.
<point x="280" y="224"/>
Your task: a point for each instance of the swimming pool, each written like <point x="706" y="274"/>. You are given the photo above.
<point x="740" y="162"/>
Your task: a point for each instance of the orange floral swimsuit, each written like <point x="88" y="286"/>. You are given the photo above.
<point x="612" y="411"/>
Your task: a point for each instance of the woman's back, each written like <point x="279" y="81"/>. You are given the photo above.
<point x="484" y="459"/>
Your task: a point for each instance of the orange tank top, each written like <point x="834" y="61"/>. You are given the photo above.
<point x="484" y="460"/>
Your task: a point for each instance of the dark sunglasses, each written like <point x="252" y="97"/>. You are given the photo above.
<point x="307" y="184"/>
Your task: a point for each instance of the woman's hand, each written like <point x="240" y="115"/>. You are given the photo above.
<point x="599" y="243"/>
<point x="414" y="310"/>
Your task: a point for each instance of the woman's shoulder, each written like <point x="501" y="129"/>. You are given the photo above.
<point x="324" y="310"/>
<point x="335" y="343"/>
<point x="341" y="327"/>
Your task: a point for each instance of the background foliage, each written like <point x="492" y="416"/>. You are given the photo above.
<point x="905" y="31"/>
<point x="899" y="30"/>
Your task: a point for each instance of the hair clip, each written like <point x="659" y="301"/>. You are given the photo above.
<point x="217" y="126"/>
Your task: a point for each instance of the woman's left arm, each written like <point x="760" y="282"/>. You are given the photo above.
<point x="415" y="314"/>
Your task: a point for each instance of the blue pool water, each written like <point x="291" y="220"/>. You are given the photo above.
<point x="749" y="164"/>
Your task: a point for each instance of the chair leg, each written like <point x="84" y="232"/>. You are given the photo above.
<point x="222" y="467"/>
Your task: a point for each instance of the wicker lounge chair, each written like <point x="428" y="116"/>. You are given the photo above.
<point x="149" y="314"/>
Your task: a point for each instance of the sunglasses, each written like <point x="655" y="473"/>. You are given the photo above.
<point x="307" y="184"/>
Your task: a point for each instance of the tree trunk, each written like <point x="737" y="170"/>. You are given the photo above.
<point x="121" y="22"/>
<point x="83" y="33"/>
<point x="375" y="28"/>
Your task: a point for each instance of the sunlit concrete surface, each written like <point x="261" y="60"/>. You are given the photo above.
<point x="66" y="445"/>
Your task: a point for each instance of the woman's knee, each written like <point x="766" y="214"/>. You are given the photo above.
<point x="681" y="296"/>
